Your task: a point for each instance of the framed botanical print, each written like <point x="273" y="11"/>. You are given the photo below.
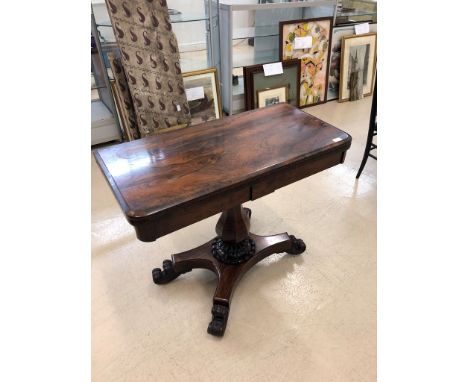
<point x="335" y="56"/>
<point x="255" y="81"/>
<point x="308" y="40"/>
<point x="270" y="97"/>
<point x="202" y="90"/>
<point x="358" y="62"/>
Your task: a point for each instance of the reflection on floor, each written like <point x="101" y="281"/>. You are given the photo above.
<point x="305" y="318"/>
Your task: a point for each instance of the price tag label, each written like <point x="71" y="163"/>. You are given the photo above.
<point x="195" y="93"/>
<point x="273" y="69"/>
<point x="303" y="42"/>
<point x="361" y="28"/>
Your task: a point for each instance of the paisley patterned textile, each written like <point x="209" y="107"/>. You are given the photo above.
<point x="123" y="93"/>
<point x="150" y="58"/>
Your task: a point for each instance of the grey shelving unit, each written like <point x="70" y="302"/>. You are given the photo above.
<point x="249" y="32"/>
<point x="349" y="11"/>
<point x="105" y="124"/>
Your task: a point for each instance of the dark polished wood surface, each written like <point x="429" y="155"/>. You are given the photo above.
<point x="187" y="175"/>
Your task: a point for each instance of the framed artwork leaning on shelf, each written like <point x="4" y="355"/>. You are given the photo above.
<point x="308" y="40"/>
<point x="335" y="56"/>
<point x="358" y="63"/>
<point x="255" y="81"/>
<point x="202" y="90"/>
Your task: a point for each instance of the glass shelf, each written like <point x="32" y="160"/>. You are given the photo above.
<point x="238" y="90"/>
<point x="188" y="18"/>
<point x="263" y="59"/>
<point x="237" y="2"/>
<point x="237" y="5"/>
<point x="109" y="43"/>
<point x="254" y="32"/>
<point x="181" y="18"/>
<point x="355" y="12"/>
<point x="265" y="50"/>
<point x="194" y="60"/>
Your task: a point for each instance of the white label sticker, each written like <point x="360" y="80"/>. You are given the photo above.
<point x="273" y="69"/>
<point x="337" y="139"/>
<point x="361" y="28"/>
<point x="195" y="93"/>
<point x="178" y="108"/>
<point x="303" y="42"/>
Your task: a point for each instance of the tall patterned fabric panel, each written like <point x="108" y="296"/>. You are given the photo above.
<point x="150" y="57"/>
<point x="129" y="116"/>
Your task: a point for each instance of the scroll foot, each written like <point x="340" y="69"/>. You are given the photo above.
<point x="297" y="246"/>
<point x="218" y="323"/>
<point x="166" y="275"/>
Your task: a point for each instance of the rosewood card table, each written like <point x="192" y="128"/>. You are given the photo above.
<point x="166" y="182"/>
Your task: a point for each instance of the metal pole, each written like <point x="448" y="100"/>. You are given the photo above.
<point x="111" y="106"/>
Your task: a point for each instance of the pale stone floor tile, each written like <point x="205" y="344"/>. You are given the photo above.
<point x="310" y="317"/>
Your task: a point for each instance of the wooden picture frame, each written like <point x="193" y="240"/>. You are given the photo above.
<point x="207" y="108"/>
<point x="338" y="32"/>
<point x="127" y="135"/>
<point x="290" y="77"/>
<point x="367" y="45"/>
<point x="275" y="95"/>
<point x="314" y="60"/>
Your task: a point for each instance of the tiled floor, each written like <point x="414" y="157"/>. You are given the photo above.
<point x="306" y="318"/>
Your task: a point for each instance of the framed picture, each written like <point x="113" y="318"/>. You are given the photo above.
<point x="255" y="81"/>
<point x="202" y="90"/>
<point x="358" y="61"/>
<point x="120" y="112"/>
<point x="335" y="57"/>
<point x="308" y="40"/>
<point x="269" y="97"/>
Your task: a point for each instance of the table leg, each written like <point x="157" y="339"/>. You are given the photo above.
<point x="230" y="255"/>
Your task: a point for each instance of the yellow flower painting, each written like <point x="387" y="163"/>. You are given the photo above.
<point x="314" y="58"/>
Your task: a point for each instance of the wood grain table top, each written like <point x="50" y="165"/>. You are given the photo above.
<point x="152" y="175"/>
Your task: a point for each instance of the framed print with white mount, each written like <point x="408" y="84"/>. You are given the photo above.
<point x="335" y="56"/>
<point x="308" y="40"/>
<point x="270" y="97"/>
<point x="202" y="90"/>
<point x="256" y="81"/>
<point x="358" y="63"/>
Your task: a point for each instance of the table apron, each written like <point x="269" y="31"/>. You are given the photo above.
<point x="292" y="173"/>
<point x="178" y="217"/>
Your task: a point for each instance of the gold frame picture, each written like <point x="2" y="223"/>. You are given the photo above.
<point x="272" y="96"/>
<point x="207" y="108"/>
<point x="363" y="47"/>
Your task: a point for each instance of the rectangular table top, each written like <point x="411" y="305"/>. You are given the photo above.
<point x="152" y="175"/>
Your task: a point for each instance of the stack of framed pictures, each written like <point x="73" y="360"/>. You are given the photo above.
<point x="312" y="54"/>
<point x="358" y="62"/>
<point x="335" y="59"/>
<point x="261" y="91"/>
